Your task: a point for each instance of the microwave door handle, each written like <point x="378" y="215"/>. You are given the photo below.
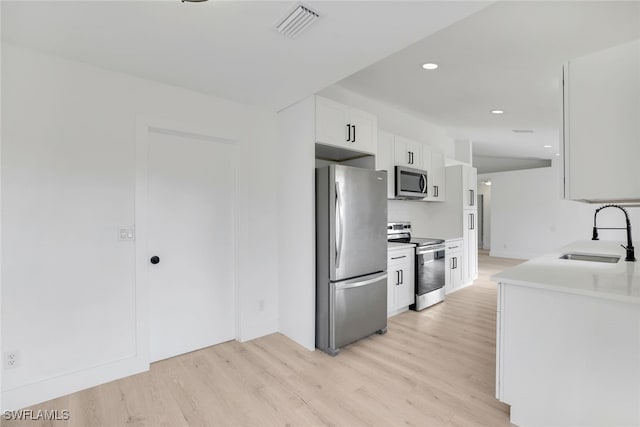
<point x="339" y="225"/>
<point x="423" y="183"/>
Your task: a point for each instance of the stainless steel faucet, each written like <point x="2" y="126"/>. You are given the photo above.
<point x="629" y="247"/>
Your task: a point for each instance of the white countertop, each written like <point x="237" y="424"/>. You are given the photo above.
<point x="619" y="281"/>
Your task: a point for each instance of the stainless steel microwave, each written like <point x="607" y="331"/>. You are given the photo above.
<point x="411" y="183"/>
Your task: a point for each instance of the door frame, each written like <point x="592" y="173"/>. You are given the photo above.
<point x="145" y="125"/>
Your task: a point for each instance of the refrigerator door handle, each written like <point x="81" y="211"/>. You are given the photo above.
<point x="339" y="230"/>
<point x="350" y="284"/>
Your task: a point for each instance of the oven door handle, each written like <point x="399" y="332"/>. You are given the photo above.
<point x="429" y="249"/>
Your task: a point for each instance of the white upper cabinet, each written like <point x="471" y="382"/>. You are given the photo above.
<point x="407" y="153"/>
<point x="437" y="175"/>
<point x="343" y="126"/>
<point x="469" y="187"/>
<point x="433" y="163"/>
<point x="602" y="125"/>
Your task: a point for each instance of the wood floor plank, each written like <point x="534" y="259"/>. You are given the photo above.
<point x="432" y="368"/>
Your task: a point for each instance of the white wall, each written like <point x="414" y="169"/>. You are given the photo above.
<point x="296" y="200"/>
<point x="68" y="180"/>
<point x="529" y="216"/>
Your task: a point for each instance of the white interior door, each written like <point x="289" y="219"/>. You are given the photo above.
<point x="191" y="214"/>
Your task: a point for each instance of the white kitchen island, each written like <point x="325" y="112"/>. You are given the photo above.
<point x="568" y="339"/>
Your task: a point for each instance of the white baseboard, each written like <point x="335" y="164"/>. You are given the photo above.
<point x="51" y="388"/>
<point x="257" y="329"/>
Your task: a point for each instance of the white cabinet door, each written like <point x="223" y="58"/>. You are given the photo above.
<point x="401" y="280"/>
<point x="340" y="125"/>
<point x="454" y="264"/>
<point x="437" y="177"/>
<point x="601" y="131"/>
<point x="331" y="122"/>
<point x="470" y="235"/>
<point x="365" y="130"/>
<point x="384" y="160"/>
<point x="407" y="153"/>
<point x="405" y="291"/>
<point x="470" y="187"/>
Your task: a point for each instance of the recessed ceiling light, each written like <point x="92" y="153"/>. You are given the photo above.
<point x="497" y="112"/>
<point x="429" y="66"/>
<point x="557" y="154"/>
<point x="523" y="130"/>
<point x="546" y="146"/>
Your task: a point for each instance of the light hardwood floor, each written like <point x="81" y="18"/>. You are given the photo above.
<point x="433" y="368"/>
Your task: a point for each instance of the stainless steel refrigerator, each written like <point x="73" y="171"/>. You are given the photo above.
<point x="351" y="255"/>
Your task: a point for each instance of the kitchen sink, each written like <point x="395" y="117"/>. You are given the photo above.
<point x="612" y="259"/>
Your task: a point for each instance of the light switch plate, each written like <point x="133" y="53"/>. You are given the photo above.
<point x="126" y="233"/>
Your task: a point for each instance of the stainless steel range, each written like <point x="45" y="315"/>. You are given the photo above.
<point x="429" y="264"/>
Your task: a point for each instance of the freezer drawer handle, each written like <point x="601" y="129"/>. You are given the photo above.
<point x="341" y="286"/>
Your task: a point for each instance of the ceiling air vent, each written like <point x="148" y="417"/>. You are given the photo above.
<point x="297" y="21"/>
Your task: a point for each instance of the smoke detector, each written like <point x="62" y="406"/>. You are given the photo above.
<point x="298" y="20"/>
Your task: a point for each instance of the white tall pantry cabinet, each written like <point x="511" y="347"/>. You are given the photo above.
<point x="458" y="216"/>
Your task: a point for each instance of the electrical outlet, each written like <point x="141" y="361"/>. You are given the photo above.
<point x="11" y="359"/>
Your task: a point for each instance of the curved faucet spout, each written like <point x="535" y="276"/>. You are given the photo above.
<point x="629" y="248"/>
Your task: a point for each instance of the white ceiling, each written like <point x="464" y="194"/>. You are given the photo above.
<point x="507" y="56"/>
<point x="228" y="48"/>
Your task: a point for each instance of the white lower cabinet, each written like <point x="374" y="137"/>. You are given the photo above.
<point x="400" y="279"/>
<point x="470" y="234"/>
<point x="454" y="265"/>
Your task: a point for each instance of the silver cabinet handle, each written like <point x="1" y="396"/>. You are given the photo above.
<point x="348" y="133"/>
<point x="401" y="276"/>
<point x="398" y="257"/>
<point x="339" y="231"/>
